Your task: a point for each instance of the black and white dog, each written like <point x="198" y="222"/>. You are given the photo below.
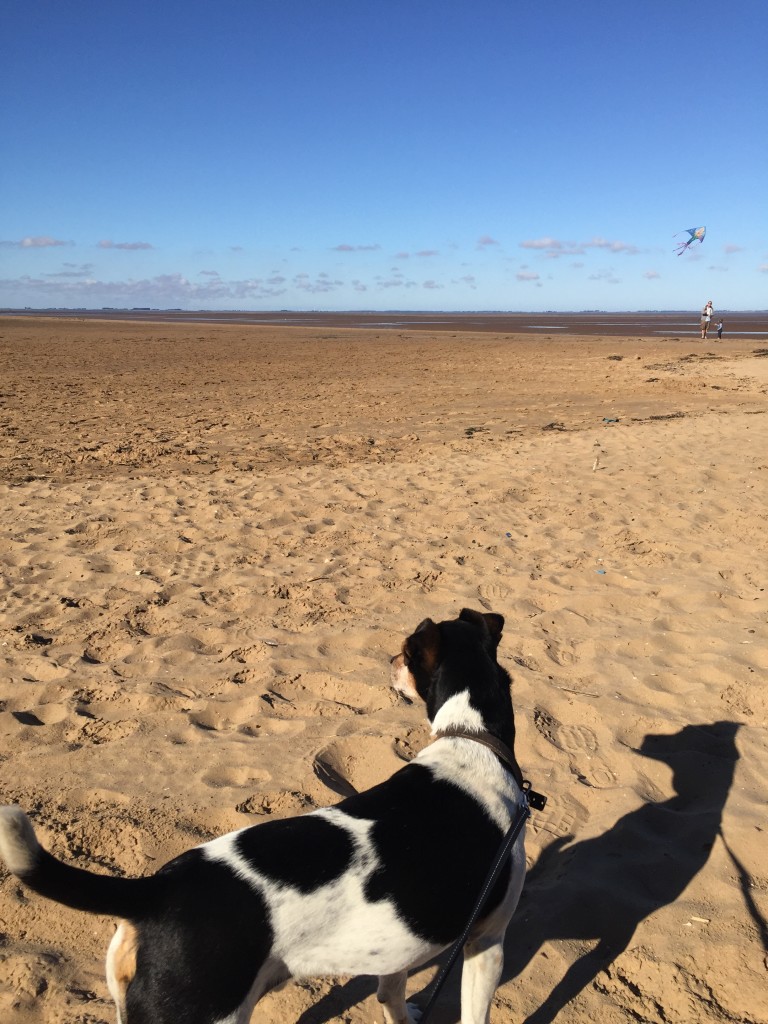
<point x="377" y="884"/>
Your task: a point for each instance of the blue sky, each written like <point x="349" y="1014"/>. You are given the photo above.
<point x="383" y="154"/>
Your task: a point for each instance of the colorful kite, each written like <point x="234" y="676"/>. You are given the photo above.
<point x="697" y="234"/>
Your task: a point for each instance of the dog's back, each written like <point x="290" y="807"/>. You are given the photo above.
<point x="375" y="885"/>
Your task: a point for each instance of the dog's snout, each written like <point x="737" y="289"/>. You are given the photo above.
<point x="400" y="677"/>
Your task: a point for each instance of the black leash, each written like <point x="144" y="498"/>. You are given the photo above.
<point x="538" y="802"/>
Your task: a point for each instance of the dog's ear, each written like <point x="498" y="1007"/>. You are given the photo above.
<point x="495" y="625"/>
<point x="485" y="620"/>
<point x="422" y="647"/>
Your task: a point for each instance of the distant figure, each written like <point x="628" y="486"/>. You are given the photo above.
<point x="719" y="328"/>
<point x="706" y="318"/>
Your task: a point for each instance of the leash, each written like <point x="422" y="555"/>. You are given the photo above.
<point x="531" y="799"/>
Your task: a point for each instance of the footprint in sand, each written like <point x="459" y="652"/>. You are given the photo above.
<point x="581" y="744"/>
<point x="561" y="655"/>
<point x="348" y="766"/>
<point x="277" y="803"/>
<point x="97" y="731"/>
<point x="222" y="777"/>
<point x="492" y="595"/>
<point x="562" y="817"/>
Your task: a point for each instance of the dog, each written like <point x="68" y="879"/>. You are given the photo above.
<point x="377" y="884"/>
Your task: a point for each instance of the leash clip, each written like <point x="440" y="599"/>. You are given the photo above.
<point x="535" y="800"/>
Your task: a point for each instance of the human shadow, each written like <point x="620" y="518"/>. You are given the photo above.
<point x="600" y="889"/>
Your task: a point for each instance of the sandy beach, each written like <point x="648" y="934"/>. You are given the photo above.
<point x="212" y="538"/>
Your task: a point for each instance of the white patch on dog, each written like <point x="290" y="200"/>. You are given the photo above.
<point x="478" y="771"/>
<point x="458" y="713"/>
<point x="320" y="932"/>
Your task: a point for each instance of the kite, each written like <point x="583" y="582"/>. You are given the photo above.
<point x="697" y="234"/>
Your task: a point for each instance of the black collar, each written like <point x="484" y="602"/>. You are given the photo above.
<point x="501" y="750"/>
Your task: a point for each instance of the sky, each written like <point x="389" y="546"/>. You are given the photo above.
<point x="383" y="154"/>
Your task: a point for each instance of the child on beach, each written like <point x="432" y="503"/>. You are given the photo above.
<point x="720" y="329"/>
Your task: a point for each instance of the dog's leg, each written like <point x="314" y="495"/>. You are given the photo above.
<point x="480" y="976"/>
<point x="391" y="995"/>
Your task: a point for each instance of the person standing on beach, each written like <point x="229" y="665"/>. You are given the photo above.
<point x="720" y="329"/>
<point x="706" y="318"/>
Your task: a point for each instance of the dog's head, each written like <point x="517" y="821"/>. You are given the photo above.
<point x="440" y="660"/>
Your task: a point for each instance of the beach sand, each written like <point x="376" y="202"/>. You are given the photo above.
<point x="212" y="538"/>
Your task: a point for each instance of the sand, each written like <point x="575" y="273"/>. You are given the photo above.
<point x="212" y="538"/>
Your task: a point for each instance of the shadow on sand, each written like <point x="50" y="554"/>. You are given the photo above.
<point x="600" y="889"/>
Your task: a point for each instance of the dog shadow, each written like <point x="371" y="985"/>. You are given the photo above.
<point x="599" y="890"/>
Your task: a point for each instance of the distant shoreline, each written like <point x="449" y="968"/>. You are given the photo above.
<point x="675" y="323"/>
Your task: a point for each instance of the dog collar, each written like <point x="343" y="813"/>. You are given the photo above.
<point x="487" y="739"/>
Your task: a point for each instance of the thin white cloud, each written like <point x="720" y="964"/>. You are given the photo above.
<point x="541" y="243"/>
<point x="106" y="243"/>
<point x="73" y="270"/>
<point x="729" y="250"/>
<point x="554" y="248"/>
<point x="345" y="247"/>
<point x="469" y="279"/>
<point x="432" y="285"/>
<point x="652" y="275"/>
<point x="527" y="275"/>
<point x="485" y="240"/>
<point x="604" y="243"/>
<point x="37" y="242"/>
<point x="163" y="290"/>
<point x="605" y="275"/>
<point x="427" y="253"/>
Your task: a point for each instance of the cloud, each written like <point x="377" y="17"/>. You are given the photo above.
<point x="107" y="244"/>
<point x="541" y="243"/>
<point x="210" y="273"/>
<point x="527" y="275"/>
<point x="163" y="290"/>
<point x="603" y="243"/>
<point x="320" y="285"/>
<point x="554" y="248"/>
<point x="729" y="250"/>
<point x="431" y="285"/>
<point x="344" y="247"/>
<point x="396" y="281"/>
<point x="763" y="268"/>
<point x="652" y="275"/>
<point x="469" y="279"/>
<point x="428" y="252"/>
<point x="605" y="275"/>
<point x="485" y="240"/>
<point x="38" y="242"/>
<point x="402" y="255"/>
<point x="74" y="270"/>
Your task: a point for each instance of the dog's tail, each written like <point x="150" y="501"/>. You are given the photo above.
<point x="82" y="890"/>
